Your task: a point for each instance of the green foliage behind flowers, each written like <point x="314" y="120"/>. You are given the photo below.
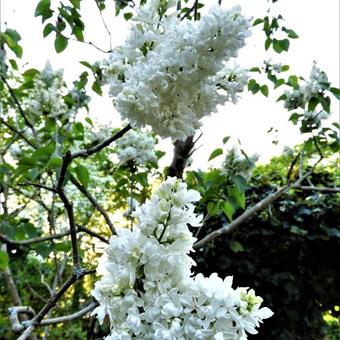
<point x="287" y="252"/>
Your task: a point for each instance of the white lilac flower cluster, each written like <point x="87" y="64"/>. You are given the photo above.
<point x="312" y="88"/>
<point x="136" y="146"/>
<point x="148" y="291"/>
<point x="237" y="163"/>
<point x="171" y="72"/>
<point x="46" y="97"/>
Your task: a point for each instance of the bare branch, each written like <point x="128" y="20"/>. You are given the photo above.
<point x="33" y="324"/>
<point x="14" y="313"/>
<point x="292" y="167"/>
<point x="13" y="129"/>
<point x="88" y="152"/>
<point x="33" y="240"/>
<point x="37" y="185"/>
<point x="181" y="154"/>
<point x="249" y="212"/>
<point x="104" y="23"/>
<point x="92" y="233"/>
<point x="94" y="202"/>
<point x="321" y="189"/>
<point x="66" y="318"/>
<point x="18" y="327"/>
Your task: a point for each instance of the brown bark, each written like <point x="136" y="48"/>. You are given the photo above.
<point x="182" y="153"/>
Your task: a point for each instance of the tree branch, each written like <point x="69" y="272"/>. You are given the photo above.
<point x="34" y="240"/>
<point x="37" y="185"/>
<point x="249" y="213"/>
<point x="181" y="154"/>
<point x="18" y="327"/>
<point x="94" y="202"/>
<point x="88" y="152"/>
<point x="13" y="129"/>
<point x="321" y="189"/>
<point x="35" y="322"/>
<point x="92" y="233"/>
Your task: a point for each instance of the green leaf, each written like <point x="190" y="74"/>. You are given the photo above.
<point x="43" y="154"/>
<point x="326" y="103"/>
<point x="294" y="118"/>
<point x="48" y="29"/>
<point x="78" y="128"/>
<point x="13" y="64"/>
<point x="279" y="82"/>
<point x="15" y="36"/>
<point x="78" y="32"/>
<point x="43" y="9"/>
<point x="4" y="260"/>
<point x="160" y="154"/>
<point x="336" y="92"/>
<point x="213" y="208"/>
<point x="30" y="74"/>
<point x="267" y="43"/>
<point x="228" y="209"/>
<point x="282" y="97"/>
<point x="312" y="104"/>
<point x="281" y="45"/>
<point x="253" y="86"/>
<point x="225" y="139"/>
<point x="63" y="246"/>
<point x="236" y="246"/>
<point x="255" y="69"/>
<point x="239" y="182"/>
<point x="76" y="3"/>
<point x="239" y="197"/>
<point x="215" y="153"/>
<point x="293" y="81"/>
<point x="96" y="87"/>
<point x="12" y="38"/>
<point x="284" y="68"/>
<point x="82" y="175"/>
<point x="29" y="229"/>
<point x="128" y="16"/>
<point x="257" y="21"/>
<point x="60" y="43"/>
<point x="87" y="64"/>
<point x="20" y="234"/>
<point x="54" y="162"/>
<point x="264" y="90"/>
<point x="291" y="34"/>
<point x="89" y="121"/>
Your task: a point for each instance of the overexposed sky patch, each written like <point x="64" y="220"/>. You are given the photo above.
<point x="316" y="22"/>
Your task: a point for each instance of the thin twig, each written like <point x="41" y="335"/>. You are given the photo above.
<point x="34" y="240"/>
<point x="17" y="326"/>
<point x="12" y="128"/>
<point x="94" y="202"/>
<point x="33" y="324"/>
<point x="292" y="167"/>
<point x="41" y="186"/>
<point x="321" y="189"/>
<point x="23" y="114"/>
<point x="88" y="152"/>
<point x="104" y="23"/>
<point x="92" y="233"/>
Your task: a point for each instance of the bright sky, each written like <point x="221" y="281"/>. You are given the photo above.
<point x="316" y="22"/>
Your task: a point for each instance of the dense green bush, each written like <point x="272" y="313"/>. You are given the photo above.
<point x="287" y="252"/>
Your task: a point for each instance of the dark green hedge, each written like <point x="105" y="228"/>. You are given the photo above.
<point x="289" y="253"/>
